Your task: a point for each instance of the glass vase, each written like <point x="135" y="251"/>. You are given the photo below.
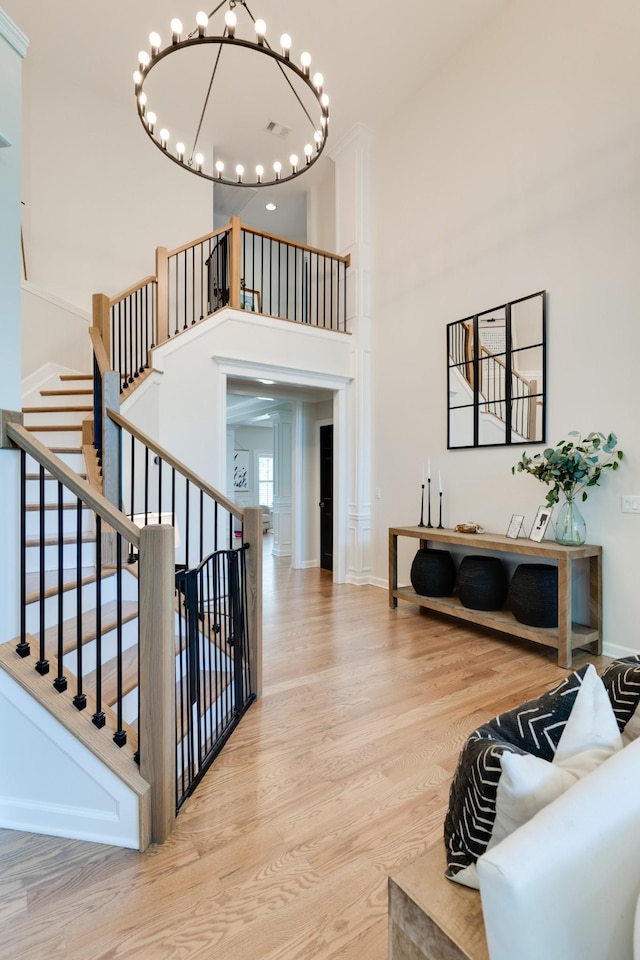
<point x="571" y="530"/>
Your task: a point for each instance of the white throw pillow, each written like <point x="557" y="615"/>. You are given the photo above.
<point x="529" y="783"/>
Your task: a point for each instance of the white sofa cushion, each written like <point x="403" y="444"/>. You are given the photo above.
<point x="498" y="786"/>
<point x="565" y="885"/>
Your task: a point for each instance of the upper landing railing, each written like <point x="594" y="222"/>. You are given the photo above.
<point x="235" y="266"/>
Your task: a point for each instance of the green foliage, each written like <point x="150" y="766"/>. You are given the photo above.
<point x="571" y="465"/>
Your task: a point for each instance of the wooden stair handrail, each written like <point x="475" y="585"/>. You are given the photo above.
<point x="194" y="243"/>
<point x="172" y="461"/>
<point x="300" y="246"/>
<point x="84" y="491"/>
<point x="133" y="289"/>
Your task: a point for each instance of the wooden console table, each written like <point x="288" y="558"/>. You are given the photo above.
<point x="565" y="638"/>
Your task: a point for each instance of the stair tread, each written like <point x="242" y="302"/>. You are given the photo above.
<point x="71" y="392"/>
<point x="49" y="476"/>
<point x="57" y="449"/>
<point x="54" y="506"/>
<point x="63" y="408"/>
<point x="69" y="581"/>
<point x="53" y="541"/>
<point x="53" y="427"/>
<point x="76" y="376"/>
<point x="88" y="625"/>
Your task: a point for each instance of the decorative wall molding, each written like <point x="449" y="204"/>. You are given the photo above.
<point x="13" y="34"/>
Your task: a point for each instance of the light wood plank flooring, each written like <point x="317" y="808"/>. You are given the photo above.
<point x="336" y="778"/>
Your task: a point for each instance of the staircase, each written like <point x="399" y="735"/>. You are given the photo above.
<point x="82" y="624"/>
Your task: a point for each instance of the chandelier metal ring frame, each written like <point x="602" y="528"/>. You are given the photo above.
<point x="194" y="164"/>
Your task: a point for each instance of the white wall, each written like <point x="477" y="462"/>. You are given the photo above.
<point x="13" y="46"/>
<point x="526" y="155"/>
<point x="53" y="332"/>
<point x="105" y="198"/>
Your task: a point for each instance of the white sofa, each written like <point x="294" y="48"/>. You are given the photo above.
<point x="564" y="886"/>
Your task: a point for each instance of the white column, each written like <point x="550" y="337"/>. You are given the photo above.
<point x="351" y="157"/>
<point x="282" y="483"/>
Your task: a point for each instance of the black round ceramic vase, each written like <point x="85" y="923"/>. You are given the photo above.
<point x="433" y="573"/>
<point x="533" y="594"/>
<point x="482" y="583"/>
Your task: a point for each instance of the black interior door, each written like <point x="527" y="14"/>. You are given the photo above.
<point x="326" y="497"/>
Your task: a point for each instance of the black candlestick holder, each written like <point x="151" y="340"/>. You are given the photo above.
<point x="440" y="527"/>
<point x="429" y="524"/>
<point x="421" y="524"/>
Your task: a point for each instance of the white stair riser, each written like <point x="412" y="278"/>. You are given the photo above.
<point x="69" y="557"/>
<point x="69" y="604"/>
<point x="32" y="492"/>
<point x="75" y="461"/>
<point x="109" y="648"/>
<point x="47" y="414"/>
<point x="58" y="438"/>
<point x="69" y="522"/>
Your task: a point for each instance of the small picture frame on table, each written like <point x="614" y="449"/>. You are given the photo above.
<point x="540" y="524"/>
<point x="515" y="526"/>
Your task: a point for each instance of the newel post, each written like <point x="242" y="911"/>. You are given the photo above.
<point x="235" y="262"/>
<point x="252" y="534"/>
<point x="100" y="313"/>
<point x="157" y="681"/>
<point x="162" y="295"/>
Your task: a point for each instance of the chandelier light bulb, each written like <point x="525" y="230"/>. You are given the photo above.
<point x="176" y="30"/>
<point x="277" y="167"/>
<point x="261" y="29"/>
<point x="180" y="151"/>
<point x="317" y="136"/>
<point x="239" y="172"/>
<point x="219" y="167"/>
<point x="164" y="137"/>
<point x="259" y="172"/>
<point x="293" y="160"/>
<point x="318" y="80"/>
<point x="199" y="159"/>
<point x="142" y="99"/>
<point x="143" y="59"/>
<point x="155" y="43"/>
<point x="151" y="120"/>
<point x="308" y="151"/>
<point x="231" y="20"/>
<point x="305" y="60"/>
<point x="285" y="43"/>
<point x="137" y="77"/>
<point x="324" y="100"/>
<point x="202" y="21"/>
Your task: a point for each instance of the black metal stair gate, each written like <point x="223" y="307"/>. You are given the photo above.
<point x="213" y="681"/>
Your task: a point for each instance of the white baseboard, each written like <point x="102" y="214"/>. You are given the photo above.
<point x="618" y="651"/>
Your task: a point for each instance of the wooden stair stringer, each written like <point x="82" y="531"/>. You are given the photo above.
<point x="119" y="760"/>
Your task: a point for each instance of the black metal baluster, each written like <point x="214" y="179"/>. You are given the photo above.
<point x="175" y="298"/>
<point x="22" y="648"/>
<point x="317" y="273"/>
<point x="135" y="325"/>
<point x="132" y="555"/>
<point x="42" y="665"/>
<point x="154" y="297"/>
<point x="98" y="718"/>
<point x="146" y="486"/>
<point x="80" y="699"/>
<point x="120" y="736"/>
<point x="333" y="262"/>
<point x="60" y="682"/>
<point x="186" y="552"/>
<point x="279" y="301"/>
<point x="185" y="280"/>
<point x="201" y="524"/>
<point x="202" y="279"/>
<point x="130" y="360"/>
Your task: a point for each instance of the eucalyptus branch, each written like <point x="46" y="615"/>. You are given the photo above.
<point x="572" y="466"/>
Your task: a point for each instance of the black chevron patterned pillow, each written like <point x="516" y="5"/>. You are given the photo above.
<point x="535" y="727"/>
<point x="622" y="682"/>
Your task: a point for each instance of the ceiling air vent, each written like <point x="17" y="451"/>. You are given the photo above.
<point x="278" y="129"/>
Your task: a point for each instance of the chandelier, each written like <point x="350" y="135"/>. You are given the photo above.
<point x="211" y="165"/>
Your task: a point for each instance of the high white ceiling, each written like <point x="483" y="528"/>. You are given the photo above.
<point x="373" y="57"/>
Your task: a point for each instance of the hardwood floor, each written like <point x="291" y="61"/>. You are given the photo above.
<point x="337" y="777"/>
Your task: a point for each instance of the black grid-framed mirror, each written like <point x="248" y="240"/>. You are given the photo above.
<point x="496" y="375"/>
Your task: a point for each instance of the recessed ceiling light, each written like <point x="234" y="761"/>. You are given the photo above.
<point x="264" y="398"/>
<point x="266" y="381"/>
<point x="271" y="206"/>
